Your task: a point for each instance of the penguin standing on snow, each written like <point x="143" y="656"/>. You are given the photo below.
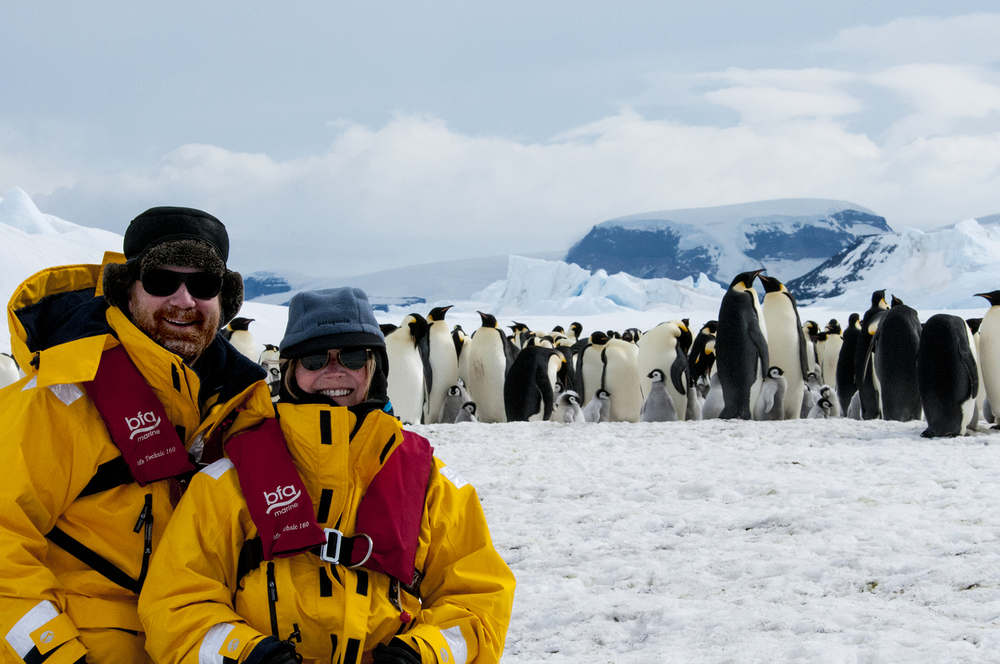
<point x="442" y="362"/>
<point x="490" y="356"/>
<point x="238" y="334"/>
<point x="833" y="341"/>
<point x="771" y="400"/>
<point x="989" y="354"/>
<point x="864" y="374"/>
<point x="701" y="359"/>
<point x="846" y="387"/>
<point x="787" y="344"/>
<point x="453" y="400"/>
<point x="715" y="401"/>
<point x="467" y="413"/>
<point x="894" y="346"/>
<point x="598" y="409"/>
<point x="740" y="346"/>
<point x="659" y="405"/>
<point x="821" y="409"/>
<point x="620" y="378"/>
<point x="589" y="365"/>
<point x="568" y="408"/>
<point x="666" y="345"/>
<point x="406" y="380"/>
<point x="9" y="371"/>
<point x="528" y="389"/>
<point x="948" y="376"/>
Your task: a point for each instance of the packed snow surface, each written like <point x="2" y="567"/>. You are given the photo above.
<point x="730" y="541"/>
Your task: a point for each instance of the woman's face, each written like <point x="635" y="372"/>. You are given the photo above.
<point x="345" y="387"/>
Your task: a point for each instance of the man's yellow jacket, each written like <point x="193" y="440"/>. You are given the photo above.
<point x="53" y="444"/>
<point x="197" y="609"/>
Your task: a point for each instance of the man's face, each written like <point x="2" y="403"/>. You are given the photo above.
<point x="179" y="322"/>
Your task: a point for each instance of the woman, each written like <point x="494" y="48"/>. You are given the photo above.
<point x="406" y="572"/>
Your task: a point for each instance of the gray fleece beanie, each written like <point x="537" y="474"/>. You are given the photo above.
<point x="330" y="318"/>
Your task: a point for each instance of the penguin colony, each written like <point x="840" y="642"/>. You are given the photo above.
<point x="759" y="360"/>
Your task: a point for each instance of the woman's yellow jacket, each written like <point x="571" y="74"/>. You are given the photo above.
<point x="52" y="443"/>
<point x="195" y="609"/>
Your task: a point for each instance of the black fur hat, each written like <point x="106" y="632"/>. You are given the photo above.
<point x="183" y="237"/>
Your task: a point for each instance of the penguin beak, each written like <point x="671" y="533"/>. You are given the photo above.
<point x="754" y="275"/>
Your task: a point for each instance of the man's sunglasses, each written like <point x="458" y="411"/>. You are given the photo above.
<point x="162" y="283"/>
<point x="352" y="359"/>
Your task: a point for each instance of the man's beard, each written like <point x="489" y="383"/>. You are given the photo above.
<point x="188" y="342"/>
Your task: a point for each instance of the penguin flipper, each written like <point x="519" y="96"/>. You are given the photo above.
<point x="678" y="369"/>
<point x="969" y="360"/>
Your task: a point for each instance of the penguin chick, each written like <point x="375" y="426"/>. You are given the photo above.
<point x="467" y="413"/>
<point x="821" y="409"/>
<point x="659" y="406"/>
<point x="770" y="402"/>
<point x="599" y="408"/>
<point x="827" y="392"/>
<point x="568" y="408"/>
<point x="453" y="400"/>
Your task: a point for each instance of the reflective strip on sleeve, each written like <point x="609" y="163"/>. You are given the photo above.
<point x="459" y="648"/>
<point x="454" y="476"/>
<point x="214" y="641"/>
<point x="218" y="469"/>
<point x="19" y="636"/>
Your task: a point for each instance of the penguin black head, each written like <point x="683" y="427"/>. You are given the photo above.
<point x="576" y="329"/>
<point x="685" y="340"/>
<point x="270" y="347"/>
<point x="572" y="398"/>
<point x="896" y="301"/>
<point x="771" y="284"/>
<point x="437" y="313"/>
<point x="811" y="327"/>
<point x="418" y="326"/>
<point x="488" y="319"/>
<point x="602" y="394"/>
<point x="627" y="336"/>
<point x="745" y="279"/>
<point x="387" y="328"/>
<point x="454" y="391"/>
<point x="239" y="323"/>
<point x="470" y="406"/>
<point x="711" y="327"/>
<point x="775" y="372"/>
<point x="974" y="324"/>
<point x="656" y="375"/>
<point x="559" y="329"/>
<point x="878" y="300"/>
<point x="518" y="327"/>
<point x="598" y="338"/>
<point x="993" y="297"/>
<point x="833" y="327"/>
<point x="854" y="320"/>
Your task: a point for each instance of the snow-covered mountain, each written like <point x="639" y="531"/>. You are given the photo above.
<point x="943" y="268"/>
<point x="789" y="237"/>
<point x="33" y="241"/>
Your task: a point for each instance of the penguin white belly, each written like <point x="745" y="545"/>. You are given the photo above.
<point x="244" y="342"/>
<point x="591" y="373"/>
<point x="658" y="350"/>
<point x="989" y="355"/>
<point x="981" y="398"/>
<point x="831" y="353"/>
<point x="555" y="361"/>
<point x="405" y="379"/>
<point x="622" y="381"/>
<point x="487" y="370"/>
<point x="784" y="337"/>
<point x="444" y="369"/>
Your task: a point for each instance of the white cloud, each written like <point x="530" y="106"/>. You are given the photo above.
<point x="968" y="39"/>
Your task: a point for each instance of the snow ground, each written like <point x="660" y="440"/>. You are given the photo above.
<point x="729" y="541"/>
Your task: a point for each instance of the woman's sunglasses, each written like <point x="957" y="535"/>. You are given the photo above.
<point x="162" y="283"/>
<point x="352" y="360"/>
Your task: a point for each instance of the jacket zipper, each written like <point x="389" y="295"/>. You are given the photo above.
<point x="145" y="519"/>
<point x="272" y="598"/>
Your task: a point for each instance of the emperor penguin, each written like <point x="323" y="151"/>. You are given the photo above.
<point x="598" y="409"/>
<point x="974" y="324"/>
<point x="529" y="387"/>
<point x="821" y="409"/>
<point x="9" y="371"/>
<point x="406" y="380"/>
<point x="490" y="356"/>
<point x="810" y="334"/>
<point x="894" y="345"/>
<point x="787" y="344"/>
<point x="443" y="362"/>
<point x="467" y="413"/>
<point x="846" y="387"/>
<point x="461" y="340"/>
<point x="659" y="405"/>
<point x="989" y="352"/>
<point x="948" y="376"/>
<point x="453" y="400"/>
<point x="864" y="374"/>
<point x="589" y="365"/>
<point x="827" y="392"/>
<point x="665" y="348"/>
<point x="568" y="410"/>
<point x="741" y="348"/>
<point x="270" y="360"/>
<point x="575" y="332"/>
<point x="240" y="337"/>
<point x="832" y="343"/>
<point x="621" y="379"/>
<point x="771" y="400"/>
<point x="701" y="359"/>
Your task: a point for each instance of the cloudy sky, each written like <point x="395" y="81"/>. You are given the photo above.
<point x="338" y="138"/>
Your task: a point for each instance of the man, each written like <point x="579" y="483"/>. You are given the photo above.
<point x="122" y="392"/>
